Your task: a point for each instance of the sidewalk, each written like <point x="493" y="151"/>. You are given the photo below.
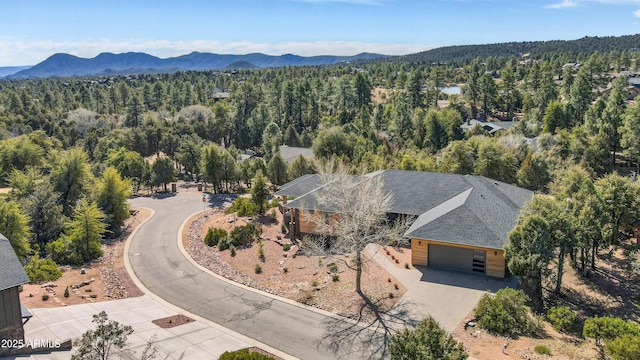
<point x="197" y="339"/>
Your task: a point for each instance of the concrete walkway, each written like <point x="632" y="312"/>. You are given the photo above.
<point x="197" y="340"/>
<point x="445" y="295"/>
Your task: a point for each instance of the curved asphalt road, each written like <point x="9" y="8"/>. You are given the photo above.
<point x="163" y="269"/>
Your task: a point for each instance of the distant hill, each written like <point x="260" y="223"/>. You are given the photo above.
<point x="60" y="65"/>
<point x="240" y="64"/>
<point x="10" y="70"/>
<point x="535" y="48"/>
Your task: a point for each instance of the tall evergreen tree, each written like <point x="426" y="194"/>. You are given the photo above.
<point x="86" y="230"/>
<point x="259" y="192"/>
<point x="112" y="195"/>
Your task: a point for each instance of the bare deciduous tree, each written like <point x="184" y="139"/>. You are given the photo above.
<point x="351" y="212"/>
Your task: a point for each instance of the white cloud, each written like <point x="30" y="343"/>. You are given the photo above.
<point x="636" y="13"/>
<point x="17" y="52"/>
<point x="573" y="3"/>
<point x="562" y="5"/>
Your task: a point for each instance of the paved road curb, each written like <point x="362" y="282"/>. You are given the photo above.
<point x="127" y="264"/>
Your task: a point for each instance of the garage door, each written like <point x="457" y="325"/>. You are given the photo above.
<point x="458" y="259"/>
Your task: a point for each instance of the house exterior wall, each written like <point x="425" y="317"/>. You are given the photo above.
<point x="494" y="265"/>
<point x="305" y="226"/>
<point x="10" y="315"/>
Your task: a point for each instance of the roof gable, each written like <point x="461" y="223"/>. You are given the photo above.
<point x="11" y="271"/>
<point x="489" y="211"/>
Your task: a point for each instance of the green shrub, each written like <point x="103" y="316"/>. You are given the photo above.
<point x="258" y="269"/>
<point x="333" y="268"/>
<point x="335" y="278"/>
<point x="504" y="313"/>
<point x="625" y="347"/>
<point x="283" y="228"/>
<point x="245" y="235"/>
<point x="244" y="354"/>
<point x="66" y="292"/>
<point x="542" y="350"/>
<point x="273" y="203"/>
<point x="243" y="207"/>
<point x="608" y="328"/>
<point x="61" y="251"/>
<point x="223" y="244"/>
<point x="562" y="318"/>
<point x="40" y="270"/>
<point x="273" y="216"/>
<point x="427" y="341"/>
<point x="45" y="297"/>
<point x="232" y="250"/>
<point x="214" y="235"/>
<point x="286" y="247"/>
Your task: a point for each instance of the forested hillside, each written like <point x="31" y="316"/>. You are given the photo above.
<point x="585" y="45"/>
<point x="76" y="147"/>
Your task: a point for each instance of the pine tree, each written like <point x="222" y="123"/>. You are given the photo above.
<point x="259" y="192"/>
<point x="86" y="230"/>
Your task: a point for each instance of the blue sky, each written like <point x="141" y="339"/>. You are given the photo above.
<point x="32" y="30"/>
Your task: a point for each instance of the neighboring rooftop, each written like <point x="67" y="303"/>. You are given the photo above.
<point x="290" y="153"/>
<point x="491" y="127"/>
<point x="11" y="271"/>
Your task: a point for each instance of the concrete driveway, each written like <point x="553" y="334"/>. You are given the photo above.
<point x="445" y="295"/>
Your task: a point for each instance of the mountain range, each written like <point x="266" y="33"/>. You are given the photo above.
<point x="62" y="65"/>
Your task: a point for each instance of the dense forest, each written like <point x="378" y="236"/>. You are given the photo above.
<point x="585" y="45"/>
<point x="72" y="150"/>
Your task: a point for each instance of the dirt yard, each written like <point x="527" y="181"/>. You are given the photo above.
<point x="611" y="290"/>
<point x="323" y="282"/>
<point x="104" y="279"/>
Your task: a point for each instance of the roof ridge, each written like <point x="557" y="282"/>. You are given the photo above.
<point x="440" y="210"/>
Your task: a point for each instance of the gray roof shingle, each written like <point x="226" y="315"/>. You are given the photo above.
<point x="11" y="271"/>
<point x="452" y="208"/>
<point x="300" y="186"/>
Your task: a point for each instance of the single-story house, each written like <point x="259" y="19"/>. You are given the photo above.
<point x="12" y="275"/>
<point x="461" y="222"/>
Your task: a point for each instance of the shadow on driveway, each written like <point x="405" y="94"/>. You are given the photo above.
<point x="465" y="280"/>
